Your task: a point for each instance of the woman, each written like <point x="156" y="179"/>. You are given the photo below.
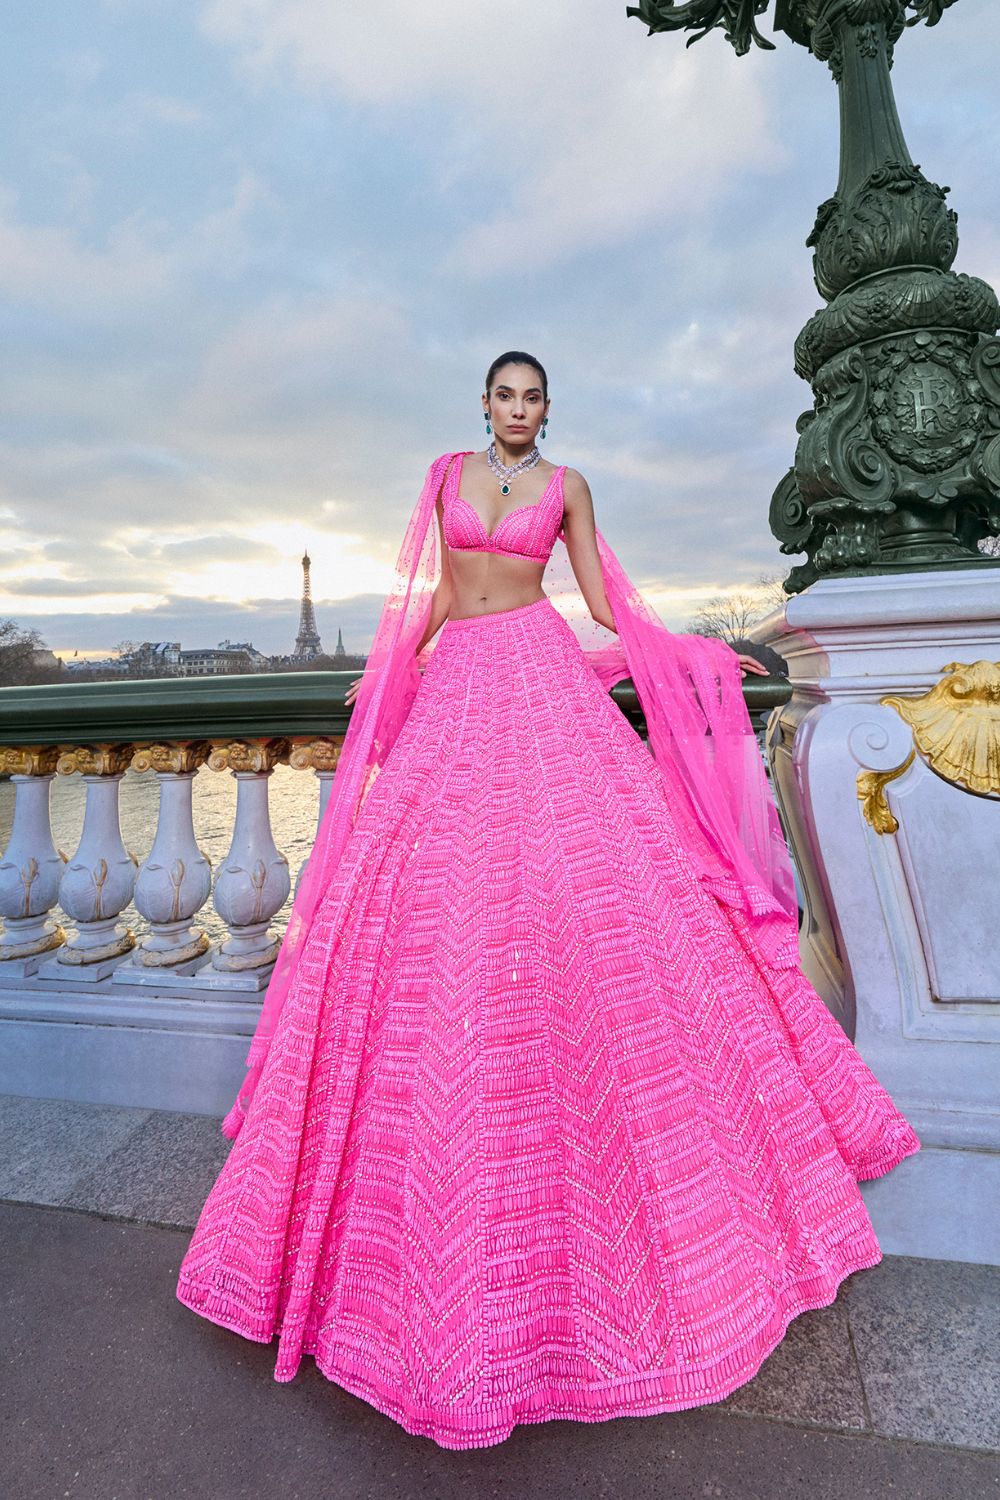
<point x="542" y="1118"/>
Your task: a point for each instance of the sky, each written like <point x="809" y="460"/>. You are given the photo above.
<point x="256" y="256"/>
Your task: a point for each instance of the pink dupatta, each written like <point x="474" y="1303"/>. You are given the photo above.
<point x="690" y="690"/>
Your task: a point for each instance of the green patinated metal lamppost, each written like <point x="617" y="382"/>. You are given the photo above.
<point x="897" y="466"/>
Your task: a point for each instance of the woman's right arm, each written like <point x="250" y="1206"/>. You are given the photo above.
<point x="441" y="599"/>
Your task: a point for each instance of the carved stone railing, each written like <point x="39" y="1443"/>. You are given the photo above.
<point x="246" y="724"/>
<point x="69" y="949"/>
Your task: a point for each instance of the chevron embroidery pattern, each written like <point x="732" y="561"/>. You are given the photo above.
<point x="539" y="1133"/>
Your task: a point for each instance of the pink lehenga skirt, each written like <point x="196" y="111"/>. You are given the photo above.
<point x="539" y="1134"/>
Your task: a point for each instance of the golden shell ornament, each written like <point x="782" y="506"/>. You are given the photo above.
<point x="956" y="726"/>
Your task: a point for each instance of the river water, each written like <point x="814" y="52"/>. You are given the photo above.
<point x="294" y="798"/>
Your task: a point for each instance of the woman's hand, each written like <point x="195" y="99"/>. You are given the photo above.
<point x="352" y="691"/>
<point x="751" y="664"/>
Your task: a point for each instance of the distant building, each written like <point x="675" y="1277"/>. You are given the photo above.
<point x="214" y="661"/>
<point x="106" y="666"/>
<point x="162" y="652"/>
<point x="169" y="659"/>
<point x="259" y="661"/>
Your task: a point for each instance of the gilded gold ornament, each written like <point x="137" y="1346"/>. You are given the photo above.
<point x="871" y="794"/>
<point x="95" y="760"/>
<point x="248" y="755"/>
<point x="956" y="725"/>
<point x="28" y="949"/>
<point x="316" y="755"/>
<point x="167" y="958"/>
<point x="28" y="760"/>
<point x="184" y="756"/>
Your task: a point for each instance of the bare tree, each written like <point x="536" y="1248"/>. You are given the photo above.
<point x="22" y="657"/>
<point x="732" y="616"/>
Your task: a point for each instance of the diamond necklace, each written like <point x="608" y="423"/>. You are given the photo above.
<point x="504" y="472"/>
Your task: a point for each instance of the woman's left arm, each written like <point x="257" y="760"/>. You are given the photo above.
<point x="581" y="544"/>
<point x="751" y="664"/>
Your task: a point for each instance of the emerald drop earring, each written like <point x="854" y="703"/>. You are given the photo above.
<point x="545" y="423"/>
<point x="489" y="429"/>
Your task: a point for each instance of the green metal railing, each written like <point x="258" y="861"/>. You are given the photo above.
<point x="257" y="705"/>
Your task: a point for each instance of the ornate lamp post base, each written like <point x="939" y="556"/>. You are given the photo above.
<point x="898" y="463"/>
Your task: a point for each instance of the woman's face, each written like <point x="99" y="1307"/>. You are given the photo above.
<point x="515" y="404"/>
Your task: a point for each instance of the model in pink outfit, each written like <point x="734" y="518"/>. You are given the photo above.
<point x="542" y="1118"/>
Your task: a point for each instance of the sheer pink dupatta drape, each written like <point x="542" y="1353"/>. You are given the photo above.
<point x="390" y="681"/>
<point x="691" y="691"/>
<point x="699" y="731"/>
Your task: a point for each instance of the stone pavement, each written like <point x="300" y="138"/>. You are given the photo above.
<point x="111" y="1390"/>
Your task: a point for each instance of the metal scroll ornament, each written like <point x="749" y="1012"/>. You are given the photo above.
<point x="738" y="18"/>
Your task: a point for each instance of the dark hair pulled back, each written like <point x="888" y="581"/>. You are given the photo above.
<point x="517" y="357"/>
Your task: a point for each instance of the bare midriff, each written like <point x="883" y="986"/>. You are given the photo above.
<point x="487" y="581"/>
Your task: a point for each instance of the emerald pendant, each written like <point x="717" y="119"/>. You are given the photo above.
<point x="505" y="489"/>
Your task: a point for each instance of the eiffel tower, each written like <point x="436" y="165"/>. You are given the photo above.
<point x="307" y="643"/>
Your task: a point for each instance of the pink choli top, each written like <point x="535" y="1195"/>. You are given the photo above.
<point x="527" y="531"/>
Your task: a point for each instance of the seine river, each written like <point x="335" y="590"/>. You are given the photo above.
<point x="294" y="798"/>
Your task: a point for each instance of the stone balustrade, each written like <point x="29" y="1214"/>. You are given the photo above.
<point x="74" y="977"/>
<point x="66" y="916"/>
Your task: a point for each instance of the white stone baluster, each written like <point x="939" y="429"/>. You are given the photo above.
<point x="98" y="881"/>
<point x="253" y="880"/>
<point x="321" y="756"/>
<point x="32" y="866"/>
<point x="175" y="880"/>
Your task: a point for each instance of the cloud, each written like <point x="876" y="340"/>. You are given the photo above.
<point x="588" y="134"/>
<point x="140" y="261"/>
<point x="82" y="66"/>
<point x="205" y="549"/>
<point x="49" y="265"/>
<point x="291" y="359"/>
<point x="137" y="109"/>
<point x="83" y="588"/>
<point x="256" y="264"/>
<point x="621" y="159"/>
<point x="387" y="52"/>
